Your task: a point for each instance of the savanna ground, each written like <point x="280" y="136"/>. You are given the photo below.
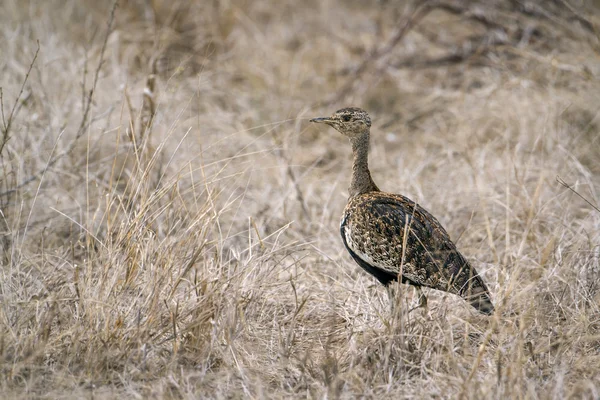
<point x="169" y="218"/>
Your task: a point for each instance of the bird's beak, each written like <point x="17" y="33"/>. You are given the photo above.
<point x="323" y="120"/>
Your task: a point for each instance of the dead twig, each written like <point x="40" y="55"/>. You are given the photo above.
<point x="449" y="59"/>
<point x="148" y="105"/>
<point x="84" y="123"/>
<point x="536" y="10"/>
<point x="475" y="14"/>
<point x="8" y="123"/>
<point x="418" y="14"/>
<point x="375" y="54"/>
<point x="565" y="184"/>
<point x="498" y="33"/>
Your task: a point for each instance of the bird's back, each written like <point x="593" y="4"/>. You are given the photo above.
<point x="390" y="236"/>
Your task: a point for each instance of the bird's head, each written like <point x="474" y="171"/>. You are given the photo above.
<point x="350" y="122"/>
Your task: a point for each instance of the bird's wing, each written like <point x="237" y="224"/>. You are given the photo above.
<point x="398" y="236"/>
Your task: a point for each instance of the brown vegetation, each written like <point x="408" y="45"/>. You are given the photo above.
<point x="169" y="219"/>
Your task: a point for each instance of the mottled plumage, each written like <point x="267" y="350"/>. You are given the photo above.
<point x="392" y="237"/>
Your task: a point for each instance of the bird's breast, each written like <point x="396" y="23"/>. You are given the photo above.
<point x="363" y="243"/>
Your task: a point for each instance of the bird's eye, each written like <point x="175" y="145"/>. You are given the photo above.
<point x="346" y="118"/>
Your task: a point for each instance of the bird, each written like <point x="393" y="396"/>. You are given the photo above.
<point x="392" y="237"/>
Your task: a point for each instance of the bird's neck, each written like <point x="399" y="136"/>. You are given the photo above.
<point x="361" y="176"/>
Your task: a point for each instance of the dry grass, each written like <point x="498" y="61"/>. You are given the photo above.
<point x="196" y="253"/>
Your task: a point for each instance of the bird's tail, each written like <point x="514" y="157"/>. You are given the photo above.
<point x="478" y="296"/>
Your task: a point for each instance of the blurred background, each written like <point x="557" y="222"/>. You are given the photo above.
<point x="169" y="220"/>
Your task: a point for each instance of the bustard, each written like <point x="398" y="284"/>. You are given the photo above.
<point x="392" y="237"/>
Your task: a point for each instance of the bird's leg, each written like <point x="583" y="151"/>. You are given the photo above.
<point x="392" y="298"/>
<point x="422" y="298"/>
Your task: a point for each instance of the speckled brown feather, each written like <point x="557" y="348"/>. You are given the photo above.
<point x="396" y="238"/>
<point x="392" y="237"/>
